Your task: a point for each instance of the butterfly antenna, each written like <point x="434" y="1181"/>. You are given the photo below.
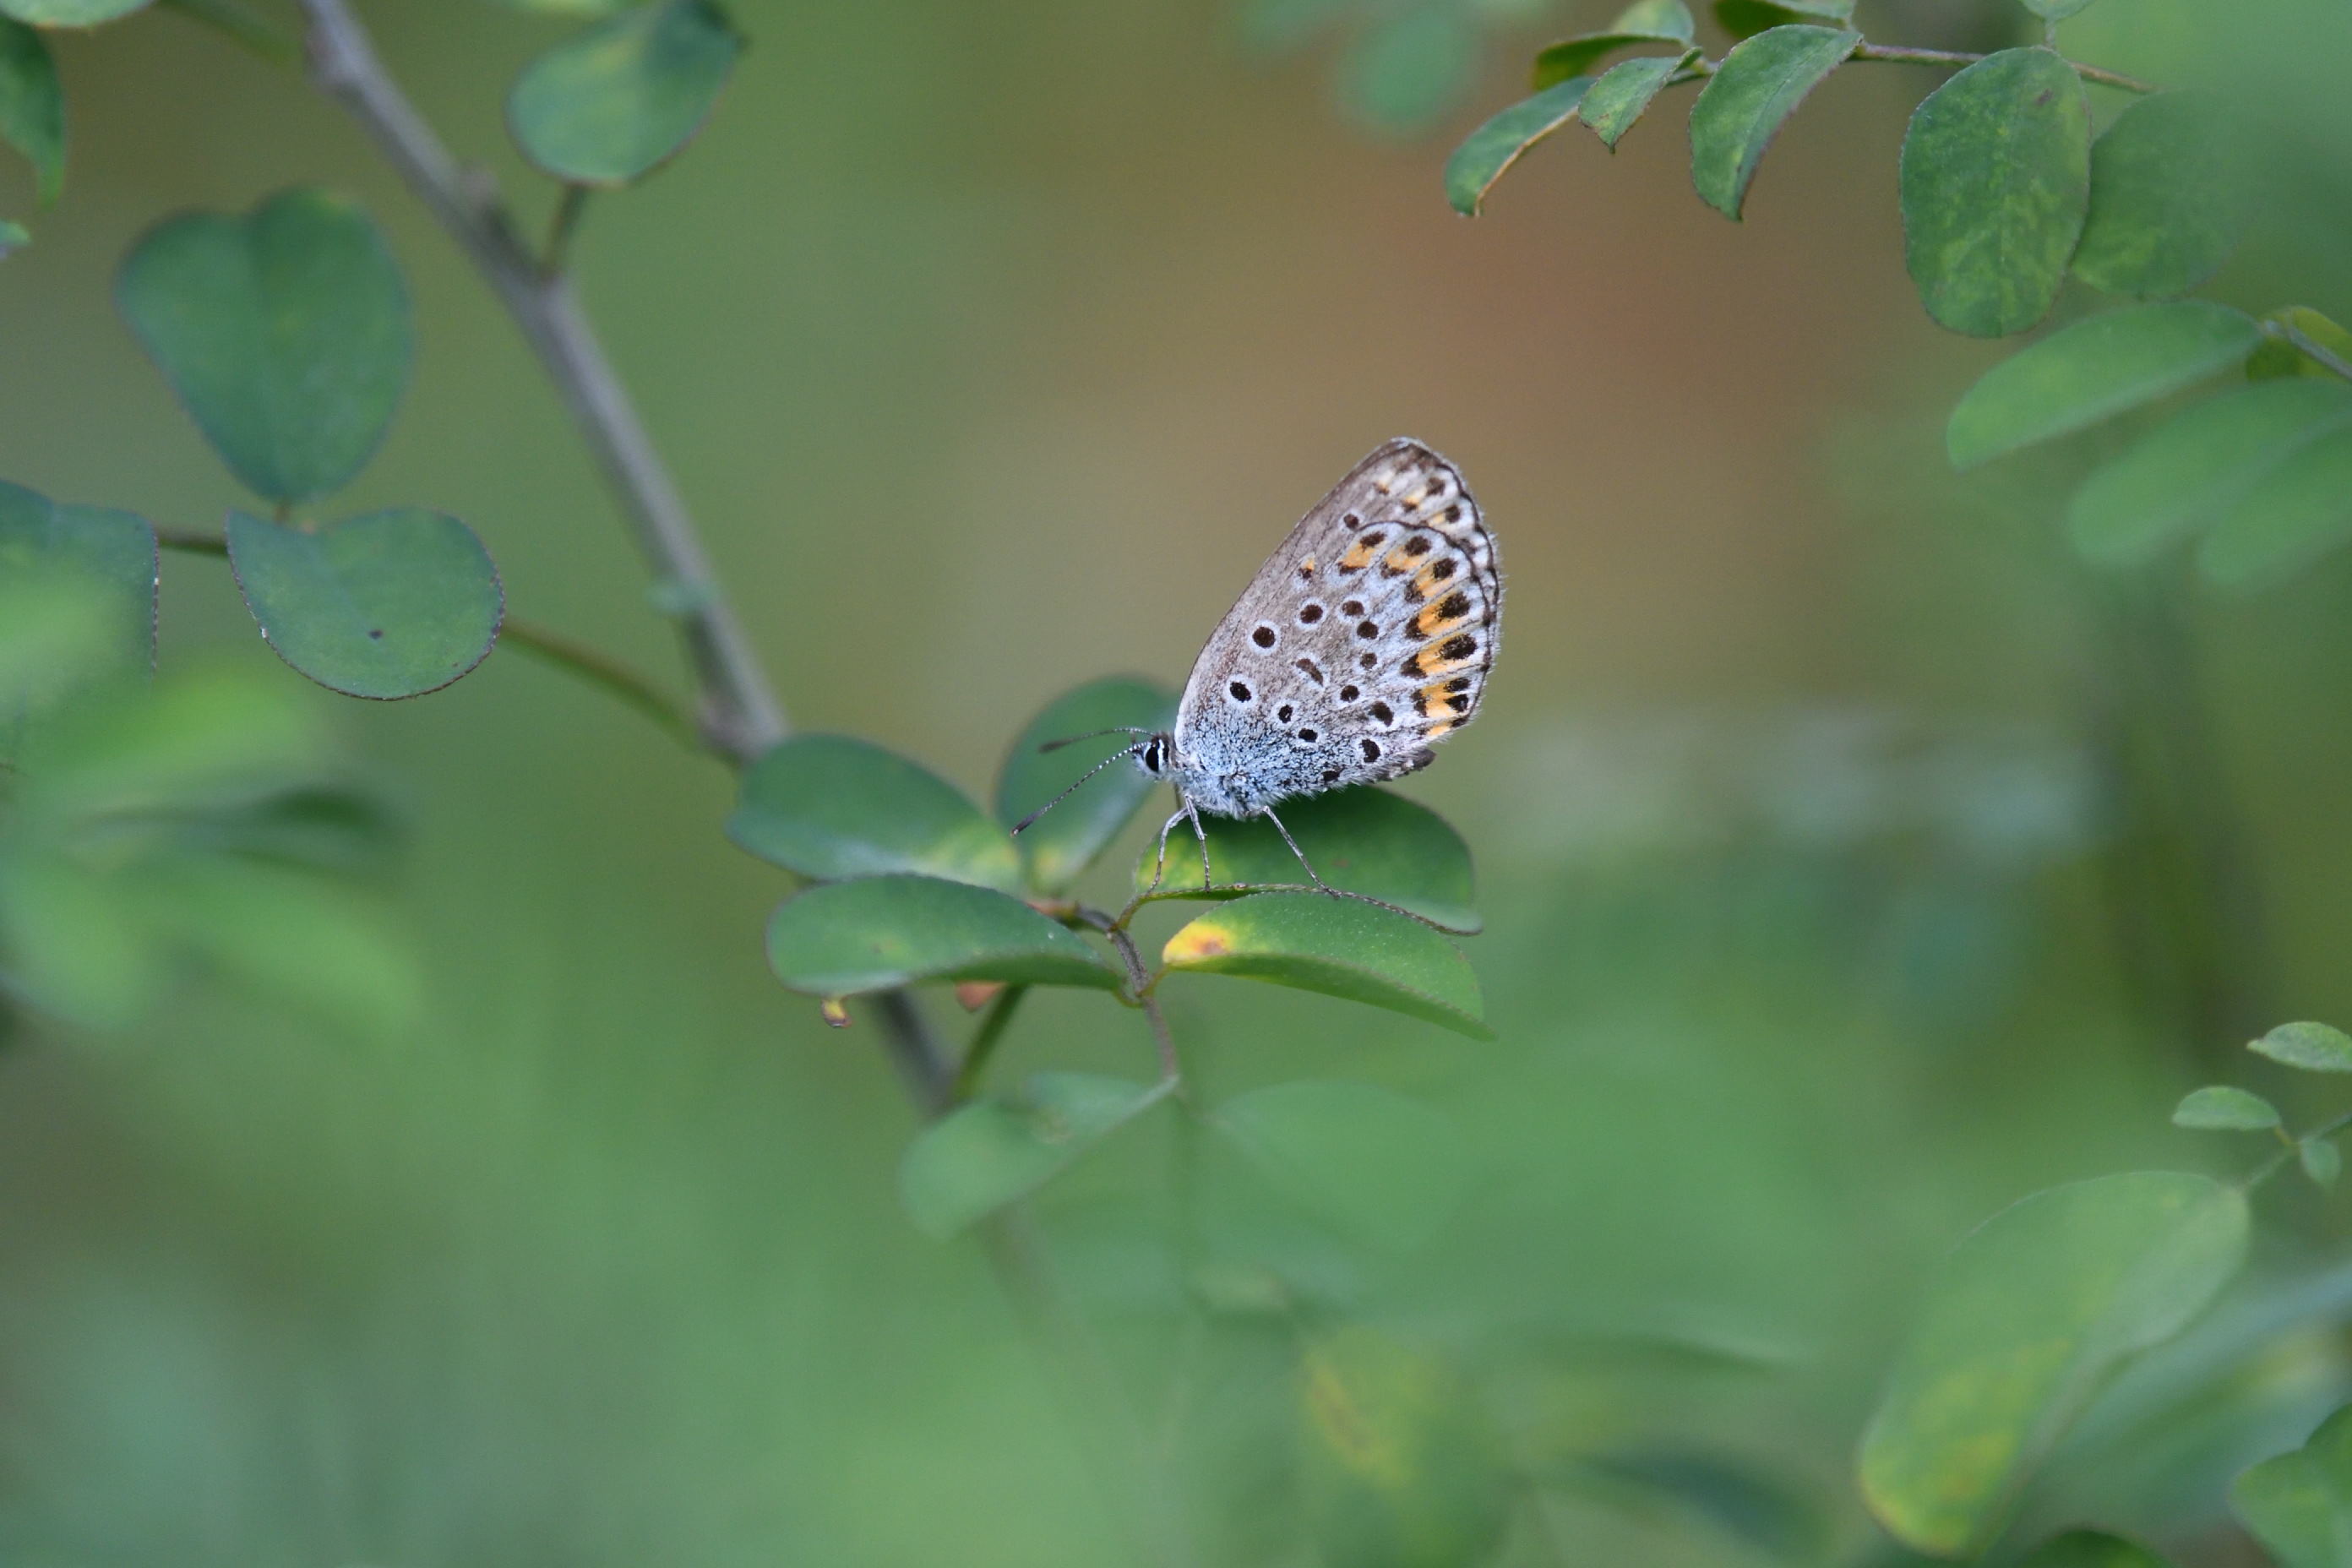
<point x="1083" y="777"/>
<point x="1092" y="735"/>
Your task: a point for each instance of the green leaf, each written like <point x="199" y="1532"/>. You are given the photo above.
<point x="1404" y="1467"/>
<point x="878" y="933"/>
<point x="1059" y="845"/>
<point x="1744" y="19"/>
<point x="111" y="554"/>
<point x="1618" y="99"/>
<point x="285" y="333"/>
<point x="832" y="807"/>
<point x="1995" y="181"/>
<point x="394" y="603"/>
<point x="2299" y="1505"/>
<point x="1339" y="947"/>
<point x="14" y="238"/>
<point x="2090" y="1549"/>
<point x="69" y="13"/>
<point x="1495" y="146"/>
<point x="1745" y="102"/>
<point x="2057" y="10"/>
<point x="977" y="1159"/>
<point x="32" y="106"/>
<point x="1380" y="1166"/>
<point x="2197" y="465"/>
<point x="2321" y="1162"/>
<point x="1365" y="840"/>
<point x="1408" y="71"/>
<point x="2277" y="357"/>
<point x="616" y="101"/>
<point x="1657" y="19"/>
<point x="2095" y="370"/>
<point x="2166" y="209"/>
<point x="2027" y="1318"/>
<point x="2300" y="510"/>
<point x="2221" y="1108"/>
<point x="2314" y="1047"/>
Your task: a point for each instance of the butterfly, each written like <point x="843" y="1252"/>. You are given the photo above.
<point x="1364" y="640"/>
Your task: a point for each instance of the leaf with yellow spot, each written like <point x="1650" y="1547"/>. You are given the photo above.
<point x="1366" y="840"/>
<point x="2027" y="1320"/>
<point x="1340" y="947"/>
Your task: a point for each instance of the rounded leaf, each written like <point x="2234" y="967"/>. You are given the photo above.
<point x="1408" y="71"/>
<point x="2314" y="1048"/>
<point x="1996" y="180"/>
<point x="2090" y="1549"/>
<point x="1750" y="97"/>
<point x="1381" y="1166"/>
<point x="1642" y="24"/>
<point x="32" y="106"/>
<point x="2277" y="357"/>
<point x="878" y="933"/>
<point x="394" y="604"/>
<point x="1495" y="146"/>
<point x="1657" y="19"/>
<point x="285" y="333"/>
<point x="975" y="1160"/>
<point x="2299" y="1505"/>
<point x="613" y="103"/>
<point x="2025" y="1321"/>
<point x="2095" y="370"/>
<point x="2299" y="511"/>
<point x="2222" y="1109"/>
<point x="832" y="807"/>
<point x="112" y="552"/>
<point x="2321" y="1161"/>
<point x="69" y="13"/>
<point x="1059" y="845"/>
<point x="2200" y="463"/>
<point x="1746" y="18"/>
<point x="1620" y="97"/>
<point x="2166" y="210"/>
<point x="1339" y="947"/>
<point x="1364" y="840"/>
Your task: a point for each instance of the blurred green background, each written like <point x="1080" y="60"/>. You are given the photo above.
<point x="995" y="347"/>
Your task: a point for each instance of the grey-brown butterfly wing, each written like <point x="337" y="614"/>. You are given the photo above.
<point x="1364" y="640"/>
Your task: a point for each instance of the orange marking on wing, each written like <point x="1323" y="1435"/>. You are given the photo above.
<point x="1359" y="556"/>
<point x="1438" y="730"/>
<point x="1428" y="625"/>
<point x="1434" y="695"/>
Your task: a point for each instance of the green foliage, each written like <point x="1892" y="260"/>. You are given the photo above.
<point x="2297" y="512"/>
<point x="69" y="13"/>
<point x="1746" y="18"/>
<point x="2314" y="1047"/>
<point x="1625" y="91"/>
<point x="2299" y="1505"/>
<point x="2090" y="1549"/>
<point x="1340" y="947"/>
<point x="1995" y="185"/>
<point x="1405" y="1468"/>
<point x="1495" y="146"/>
<point x="32" y="105"/>
<point x="2028" y="1317"/>
<point x="1058" y="846"/>
<point x="980" y="1157"/>
<point x="1381" y="1167"/>
<point x="391" y="604"/>
<point x="1406" y="70"/>
<point x="2321" y="1161"/>
<point x="2057" y="10"/>
<point x="627" y="95"/>
<point x="103" y="559"/>
<point x="2167" y="207"/>
<point x="1752" y="93"/>
<point x="832" y="806"/>
<point x="14" y="238"/>
<point x="2188" y="470"/>
<point x="878" y="933"/>
<point x="2278" y="356"/>
<point x="2219" y="1107"/>
<point x="1367" y="840"/>
<point x="1646" y="22"/>
<point x="285" y="333"/>
<point x="2095" y="370"/>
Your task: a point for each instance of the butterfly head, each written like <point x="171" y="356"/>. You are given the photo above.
<point x="1154" y="753"/>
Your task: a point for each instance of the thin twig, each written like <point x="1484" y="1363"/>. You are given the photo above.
<point x="983" y="1043"/>
<point x="2311" y="348"/>
<point x="2270" y="1167"/>
<point x="568" y="653"/>
<point x="916" y="1052"/>
<point x="741" y="715"/>
<point x="1898" y="55"/>
<point x="561" y="228"/>
<point x="1142" y="989"/>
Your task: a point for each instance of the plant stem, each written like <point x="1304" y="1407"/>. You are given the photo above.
<point x="1898" y="55"/>
<point x="565" y="652"/>
<point x="741" y="715"/>
<point x="1140" y="985"/>
<point x="2271" y="1167"/>
<point x="560" y="229"/>
<point x="2310" y="348"/>
<point x="915" y="1051"/>
<point x="983" y="1043"/>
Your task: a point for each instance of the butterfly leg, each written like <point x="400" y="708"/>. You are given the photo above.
<point x="1208" y="877"/>
<point x="1304" y="864"/>
<point x="1160" y="864"/>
